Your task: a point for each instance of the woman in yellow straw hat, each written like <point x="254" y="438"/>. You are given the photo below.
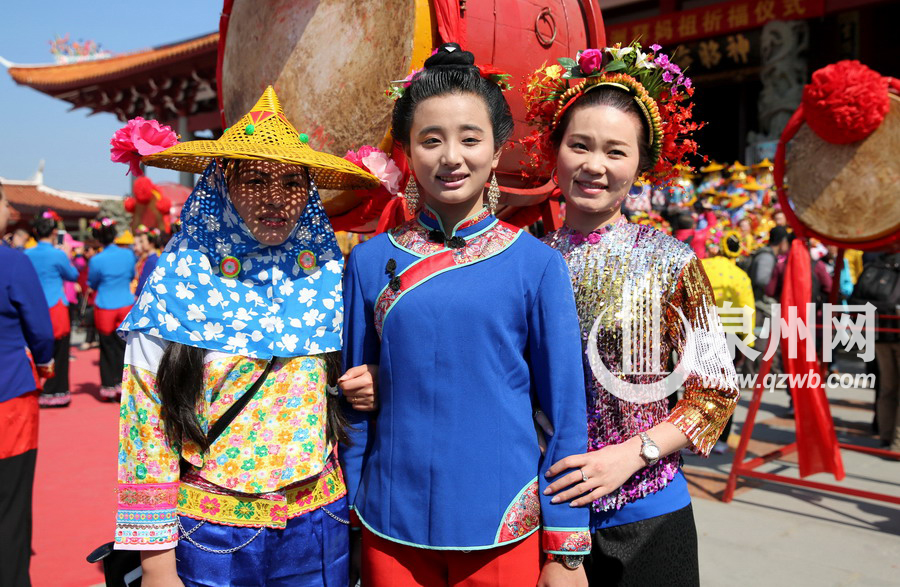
<point x="227" y="471"/>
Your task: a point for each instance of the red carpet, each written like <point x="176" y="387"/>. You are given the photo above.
<point x="74" y="488"/>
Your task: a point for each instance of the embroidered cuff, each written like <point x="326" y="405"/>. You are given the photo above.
<point x="566" y="541"/>
<point x="146" y="529"/>
<point x="702" y="425"/>
<point x="47" y="370"/>
<point x="146" y="519"/>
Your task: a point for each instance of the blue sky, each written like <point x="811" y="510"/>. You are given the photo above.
<point x="74" y="145"/>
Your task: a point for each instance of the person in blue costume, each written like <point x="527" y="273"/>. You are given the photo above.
<point x="247" y="294"/>
<point x="147" y="247"/>
<point x="110" y="273"/>
<point x="472" y="325"/>
<point x="25" y="328"/>
<point x="53" y="268"/>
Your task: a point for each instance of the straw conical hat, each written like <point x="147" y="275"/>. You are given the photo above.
<point x="265" y="134"/>
<point x="738" y="166"/>
<point x="126" y="238"/>
<point x="712" y="167"/>
<point x="752" y="185"/>
<point x="764" y="164"/>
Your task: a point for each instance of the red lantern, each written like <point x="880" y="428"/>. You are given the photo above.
<point x="164" y="204"/>
<point x="129" y="205"/>
<point x="143" y="190"/>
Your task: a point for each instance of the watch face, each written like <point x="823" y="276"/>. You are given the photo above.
<point x="651" y="452"/>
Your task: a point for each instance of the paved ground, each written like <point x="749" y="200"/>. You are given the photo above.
<point x="769" y="535"/>
<point x="775" y="534"/>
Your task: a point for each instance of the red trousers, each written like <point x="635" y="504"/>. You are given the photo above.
<point x="59" y="317"/>
<point x="18" y="425"/>
<point x="389" y="564"/>
<point x="107" y="321"/>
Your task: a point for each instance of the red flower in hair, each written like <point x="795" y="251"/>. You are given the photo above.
<point x="140" y="138"/>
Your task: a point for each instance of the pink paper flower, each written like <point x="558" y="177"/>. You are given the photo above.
<point x="379" y="164"/>
<point x="412" y="75"/>
<point x="140" y="138"/>
<point x="590" y="60"/>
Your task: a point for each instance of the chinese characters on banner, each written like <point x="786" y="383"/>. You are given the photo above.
<point x="715" y="54"/>
<point x="712" y="21"/>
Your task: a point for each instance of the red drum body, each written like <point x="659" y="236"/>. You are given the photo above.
<point x="330" y="61"/>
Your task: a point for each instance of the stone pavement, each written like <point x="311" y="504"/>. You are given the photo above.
<point x="776" y="534"/>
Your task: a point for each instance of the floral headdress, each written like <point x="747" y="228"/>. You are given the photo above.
<point x="659" y="87"/>
<point x="51" y="215"/>
<point x="398" y="87"/>
<point x="144" y="229"/>
<point x="101" y="223"/>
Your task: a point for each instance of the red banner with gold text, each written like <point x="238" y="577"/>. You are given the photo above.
<point x="713" y="20"/>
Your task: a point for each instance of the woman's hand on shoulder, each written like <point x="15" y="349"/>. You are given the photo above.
<point x="554" y="574"/>
<point x="595" y="474"/>
<point x="359" y="386"/>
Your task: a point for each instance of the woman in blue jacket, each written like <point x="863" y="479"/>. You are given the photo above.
<point x="53" y="267"/>
<point x="110" y="273"/>
<point x="24" y="327"/>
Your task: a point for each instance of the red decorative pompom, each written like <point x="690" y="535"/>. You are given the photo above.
<point x="143" y="190"/>
<point x="129" y="204"/>
<point x="164" y="204"/>
<point x="845" y="102"/>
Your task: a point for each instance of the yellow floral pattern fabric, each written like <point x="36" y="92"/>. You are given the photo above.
<point x="278" y="439"/>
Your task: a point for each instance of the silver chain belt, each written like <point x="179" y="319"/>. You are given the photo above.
<point x="341" y="520"/>
<point x="187" y="536"/>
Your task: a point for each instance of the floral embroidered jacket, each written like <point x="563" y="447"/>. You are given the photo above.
<point x="640" y="292"/>
<point x="276" y="441"/>
<point x="472" y="329"/>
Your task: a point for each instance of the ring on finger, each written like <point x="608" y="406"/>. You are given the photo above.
<point x="584" y="477"/>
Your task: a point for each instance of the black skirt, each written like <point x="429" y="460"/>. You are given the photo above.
<point x="656" y="551"/>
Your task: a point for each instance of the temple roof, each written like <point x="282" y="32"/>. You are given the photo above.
<point x="164" y="83"/>
<point x="54" y="78"/>
<point x="32" y="197"/>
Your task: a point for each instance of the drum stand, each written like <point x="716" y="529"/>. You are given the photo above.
<point x="742" y="468"/>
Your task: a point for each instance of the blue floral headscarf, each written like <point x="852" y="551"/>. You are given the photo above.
<point x="273" y="307"/>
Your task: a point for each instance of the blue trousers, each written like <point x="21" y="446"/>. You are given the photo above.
<point x="313" y="550"/>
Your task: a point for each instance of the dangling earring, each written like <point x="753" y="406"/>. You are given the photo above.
<point x="493" y="194"/>
<point x="639" y="183"/>
<point x="412" y="195"/>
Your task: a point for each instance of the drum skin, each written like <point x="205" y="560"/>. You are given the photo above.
<point x="842" y="195"/>
<point x="845" y="191"/>
<point x="330" y="61"/>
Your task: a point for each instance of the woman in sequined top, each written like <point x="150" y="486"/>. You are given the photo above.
<point x="641" y="295"/>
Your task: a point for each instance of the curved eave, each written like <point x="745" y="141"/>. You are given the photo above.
<point x="53" y="79"/>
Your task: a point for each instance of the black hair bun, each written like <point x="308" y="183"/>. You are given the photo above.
<point x="450" y="55"/>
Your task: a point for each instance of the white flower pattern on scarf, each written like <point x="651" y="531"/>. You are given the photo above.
<point x="272" y="308"/>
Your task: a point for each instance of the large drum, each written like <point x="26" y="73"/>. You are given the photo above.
<point x="843" y="192"/>
<point x="331" y="60"/>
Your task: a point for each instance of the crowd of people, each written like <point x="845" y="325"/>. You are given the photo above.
<point x="731" y="218"/>
<point x="438" y="408"/>
<point x="90" y="285"/>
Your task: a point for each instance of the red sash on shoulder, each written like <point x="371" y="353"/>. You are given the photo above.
<point x="437" y="258"/>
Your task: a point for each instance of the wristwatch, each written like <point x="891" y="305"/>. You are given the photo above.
<point x="571" y="561"/>
<point x="649" y="450"/>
